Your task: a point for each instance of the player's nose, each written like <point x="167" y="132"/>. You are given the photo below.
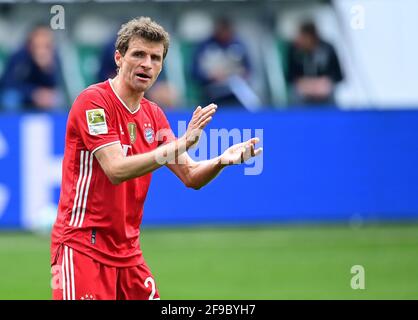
<point x="146" y="62"/>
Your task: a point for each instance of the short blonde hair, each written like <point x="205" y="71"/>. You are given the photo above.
<point x="141" y="27"/>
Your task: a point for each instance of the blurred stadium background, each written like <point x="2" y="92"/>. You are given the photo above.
<point x="337" y="184"/>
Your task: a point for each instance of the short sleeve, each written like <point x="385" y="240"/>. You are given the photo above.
<point x="165" y="133"/>
<point x="93" y="121"/>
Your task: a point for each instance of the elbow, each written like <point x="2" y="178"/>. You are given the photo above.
<point x="195" y="187"/>
<point x="114" y="177"/>
<point x="115" y="180"/>
<point x="192" y="185"/>
<point x="190" y="179"/>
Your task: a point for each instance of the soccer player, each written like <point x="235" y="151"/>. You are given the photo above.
<point x="115" y="138"/>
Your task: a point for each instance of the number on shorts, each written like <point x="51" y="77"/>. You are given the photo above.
<point x="146" y="283"/>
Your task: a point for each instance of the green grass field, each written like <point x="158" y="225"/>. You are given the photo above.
<point x="281" y="262"/>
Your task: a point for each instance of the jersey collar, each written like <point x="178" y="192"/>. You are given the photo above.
<point x="121" y="101"/>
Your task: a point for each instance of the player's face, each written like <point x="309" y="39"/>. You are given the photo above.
<point x="141" y="64"/>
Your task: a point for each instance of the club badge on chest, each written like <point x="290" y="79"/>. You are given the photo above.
<point x="149" y="133"/>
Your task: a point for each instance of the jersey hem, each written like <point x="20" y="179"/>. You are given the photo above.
<point x="101" y="257"/>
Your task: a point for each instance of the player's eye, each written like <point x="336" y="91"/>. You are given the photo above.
<point x="139" y="54"/>
<point x="156" y="58"/>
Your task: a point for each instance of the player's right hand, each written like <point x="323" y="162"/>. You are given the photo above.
<point x="201" y="117"/>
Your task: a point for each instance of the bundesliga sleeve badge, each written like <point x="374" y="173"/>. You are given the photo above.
<point x="96" y="121"/>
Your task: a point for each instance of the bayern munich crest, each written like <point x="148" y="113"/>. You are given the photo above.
<point x="149" y="134"/>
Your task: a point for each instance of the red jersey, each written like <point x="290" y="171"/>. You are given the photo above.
<point x="95" y="217"/>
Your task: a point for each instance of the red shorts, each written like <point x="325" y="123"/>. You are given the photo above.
<point x="76" y="276"/>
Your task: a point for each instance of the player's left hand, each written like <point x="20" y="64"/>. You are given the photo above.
<point x="241" y="152"/>
<point x="200" y="119"/>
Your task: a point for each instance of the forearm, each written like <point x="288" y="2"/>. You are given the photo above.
<point x="205" y="171"/>
<point x="134" y="166"/>
<point x="201" y="173"/>
<point x="120" y="169"/>
<point x="198" y="174"/>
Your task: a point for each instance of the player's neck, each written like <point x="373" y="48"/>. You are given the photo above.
<point x="129" y="97"/>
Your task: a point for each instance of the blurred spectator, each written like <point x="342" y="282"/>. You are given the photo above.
<point x="162" y="92"/>
<point x="32" y="78"/>
<point x="107" y="69"/>
<point x="221" y="66"/>
<point x="313" y="68"/>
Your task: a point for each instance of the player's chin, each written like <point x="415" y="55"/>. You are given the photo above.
<point x="141" y="87"/>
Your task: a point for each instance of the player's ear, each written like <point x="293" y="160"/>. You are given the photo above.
<point x="118" y="58"/>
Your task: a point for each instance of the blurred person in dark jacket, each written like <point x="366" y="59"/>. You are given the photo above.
<point x="32" y="78"/>
<point x="313" y="68"/>
<point x="221" y="65"/>
<point x="107" y="68"/>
